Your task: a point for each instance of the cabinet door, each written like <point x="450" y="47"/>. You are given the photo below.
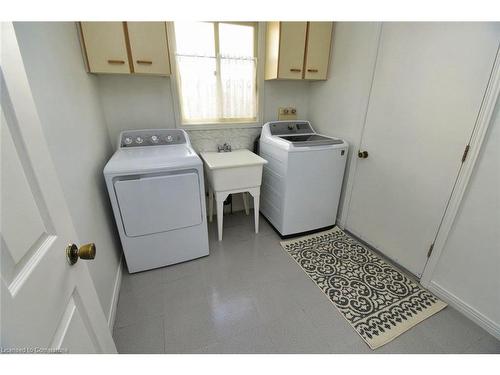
<point x="105" y="47"/>
<point x="291" y="49"/>
<point x="149" y="47"/>
<point x="318" y="50"/>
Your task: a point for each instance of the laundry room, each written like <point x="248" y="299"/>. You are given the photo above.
<point x="184" y="186"/>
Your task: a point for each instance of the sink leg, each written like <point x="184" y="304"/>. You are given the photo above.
<point x="256" y="201"/>
<point x="210" y="203"/>
<point x="219" y="199"/>
<point x="245" y="202"/>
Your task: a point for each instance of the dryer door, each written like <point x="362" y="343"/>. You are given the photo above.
<point x="154" y="204"/>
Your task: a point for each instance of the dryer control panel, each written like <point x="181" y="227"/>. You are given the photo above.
<point x="152" y="137"/>
<point x="290" y="127"/>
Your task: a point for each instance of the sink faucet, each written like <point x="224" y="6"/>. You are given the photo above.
<point x="226" y="147"/>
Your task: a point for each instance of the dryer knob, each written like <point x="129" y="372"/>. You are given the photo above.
<point x="139" y="140"/>
<point x="127" y="140"/>
<point x="154" y="139"/>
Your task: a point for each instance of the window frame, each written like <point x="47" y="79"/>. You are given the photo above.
<point x="259" y="28"/>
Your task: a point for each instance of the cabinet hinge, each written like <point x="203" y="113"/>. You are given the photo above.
<point x="466" y="151"/>
<point x="430" y="251"/>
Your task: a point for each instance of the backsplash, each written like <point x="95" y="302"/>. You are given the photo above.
<point x="207" y="140"/>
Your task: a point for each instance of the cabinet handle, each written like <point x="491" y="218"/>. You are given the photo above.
<point x="116" y="62"/>
<point x="312" y="70"/>
<point x="295" y="70"/>
<point x="145" y="62"/>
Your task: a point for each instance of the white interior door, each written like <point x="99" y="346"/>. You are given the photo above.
<point x="45" y="302"/>
<point x="430" y="79"/>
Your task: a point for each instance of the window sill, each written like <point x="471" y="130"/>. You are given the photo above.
<point x="221" y="126"/>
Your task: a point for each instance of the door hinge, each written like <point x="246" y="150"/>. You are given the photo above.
<point x="430" y="251"/>
<point x="466" y="151"/>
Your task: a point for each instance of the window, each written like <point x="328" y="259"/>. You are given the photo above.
<point x="216" y="71"/>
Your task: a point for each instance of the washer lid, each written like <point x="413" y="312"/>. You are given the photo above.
<point x="147" y="159"/>
<point x="304" y="140"/>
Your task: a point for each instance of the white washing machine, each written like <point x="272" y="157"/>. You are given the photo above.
<point x="302" y="181"/>
<point x="156" y="187"/>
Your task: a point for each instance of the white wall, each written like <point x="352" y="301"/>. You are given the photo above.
<point x="284" y="94"/>
<point x="469" y="266"/>
<point x="135" y="102"/>
<point x="337" y="107"/>
<point x="68" y="104"/>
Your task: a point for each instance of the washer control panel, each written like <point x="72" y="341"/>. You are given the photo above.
<point x="153" y="137"/>
<point x="290" y="127"/>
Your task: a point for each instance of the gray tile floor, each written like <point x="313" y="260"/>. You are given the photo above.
<point x="249" y="296"/>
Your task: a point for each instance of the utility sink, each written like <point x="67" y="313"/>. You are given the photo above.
<point x="237" y="169"/>
<point x="233" y="172"/>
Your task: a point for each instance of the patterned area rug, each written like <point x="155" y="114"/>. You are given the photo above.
<point x="378" y="300"/>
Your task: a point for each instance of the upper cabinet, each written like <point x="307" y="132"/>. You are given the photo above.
<point x="149" y="47"/>
<point x="298" y="50"/>
<point x="319" y="40"/>
<point x="105" y="47"/>
<point x="126" y="47"/>
<point x="285" y="43"/>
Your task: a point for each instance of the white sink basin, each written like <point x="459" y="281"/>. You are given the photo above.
<point x="239" y="171"/>
<point x="234" y="170"/>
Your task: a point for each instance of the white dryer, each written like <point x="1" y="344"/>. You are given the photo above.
<point x="302" y="181"/>
<point x="156" y="187"/>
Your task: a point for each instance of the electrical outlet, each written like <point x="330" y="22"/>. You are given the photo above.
<point x="287" y="113"/>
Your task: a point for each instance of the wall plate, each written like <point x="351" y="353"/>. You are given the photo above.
<point x="287" y="113"/>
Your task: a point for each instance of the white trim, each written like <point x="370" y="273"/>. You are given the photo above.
<point x="478" y="135"/>
<point x="261" y="58"/>
<point x="173" y="82"/>
<point x="465" y="309"/>
<point x="114" y="297"/>
<point x="174" y="90"/>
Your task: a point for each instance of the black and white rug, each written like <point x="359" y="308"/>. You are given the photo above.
<point x="378" y="300"/>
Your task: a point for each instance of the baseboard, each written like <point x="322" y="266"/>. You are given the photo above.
<point x="465" y="309"/>
<point x="116" y="293"/>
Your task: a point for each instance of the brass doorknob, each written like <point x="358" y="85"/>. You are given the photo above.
<point x="362" y="154"/>
<point x="86" y="251"/>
